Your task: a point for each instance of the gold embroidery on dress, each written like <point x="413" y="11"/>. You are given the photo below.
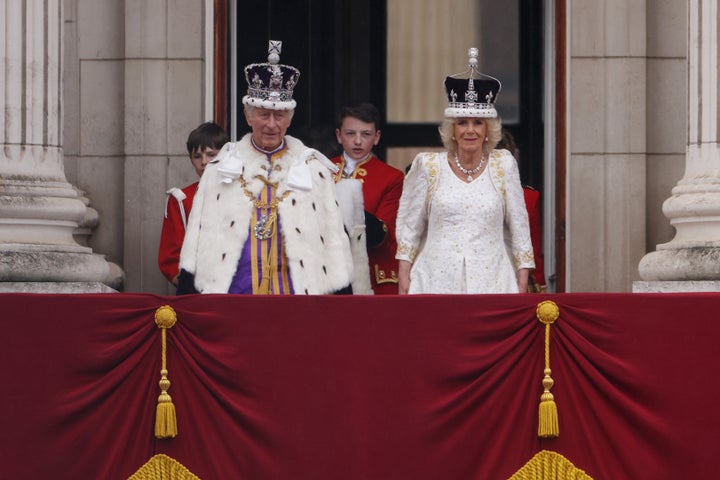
<point x="498" y="173"/>
<point x="432" y="167"/>
<point x="523" y="258"/>
<point x="408" y="251"/>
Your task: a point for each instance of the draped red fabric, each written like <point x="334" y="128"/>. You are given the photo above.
<point x="404" y="387"/>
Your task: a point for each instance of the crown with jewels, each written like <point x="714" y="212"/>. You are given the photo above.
<point x="270" y="85"/>
<point x="473" y="96"/>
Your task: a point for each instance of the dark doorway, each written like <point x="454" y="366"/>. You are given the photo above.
<point x="337" y="46"/>
<point x="340" y="48"/>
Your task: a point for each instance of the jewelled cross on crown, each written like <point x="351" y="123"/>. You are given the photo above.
<point x="471" y="96"/>
<point x="274" y="51"/>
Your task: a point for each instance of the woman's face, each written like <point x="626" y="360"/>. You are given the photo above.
<point x="470" y="133"/>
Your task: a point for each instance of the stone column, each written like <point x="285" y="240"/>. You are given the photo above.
<point x="39" y="209"/>
<point x="691" y="260"/>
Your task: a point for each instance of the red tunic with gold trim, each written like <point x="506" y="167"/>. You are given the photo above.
<point x="532" y="203"/>
<point x="177" y="210"/>
<point x="382" y="188"/>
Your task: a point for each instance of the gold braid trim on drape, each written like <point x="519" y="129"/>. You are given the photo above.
<point x="163" y="467"/>
<point x="165" y="419"/>
<point x="546" y="465"/>
<point x="548" y="427"/>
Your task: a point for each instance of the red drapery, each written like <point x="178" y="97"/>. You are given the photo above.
<point x="412" y="387"/>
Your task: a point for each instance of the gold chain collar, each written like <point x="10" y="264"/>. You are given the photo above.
<point x="264" y="228"/>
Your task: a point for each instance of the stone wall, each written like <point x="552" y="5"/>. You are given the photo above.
<point x="627" y="104"/>
<point x="134" y="89"/>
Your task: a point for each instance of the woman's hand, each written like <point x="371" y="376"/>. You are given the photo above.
<point x="523" y="276"/>
<point x="404" y="277"/>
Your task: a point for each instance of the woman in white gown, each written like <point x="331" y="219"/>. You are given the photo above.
<point x="462" y="226"/>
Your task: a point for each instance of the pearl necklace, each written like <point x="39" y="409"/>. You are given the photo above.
<point x="471" y="172"/>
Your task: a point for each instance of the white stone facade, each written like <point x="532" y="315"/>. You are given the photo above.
<point x="693" y="255"/>
<point x="627" y="117"/>
<point x="134" y="85"/>
<point x="39" y="210"/>
<point x="134" y="89"/>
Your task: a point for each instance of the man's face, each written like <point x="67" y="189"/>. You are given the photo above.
<point x="357" y="137"/>
<point x="268" y="126"/>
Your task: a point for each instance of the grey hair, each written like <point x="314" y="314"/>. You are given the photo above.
<point x="493" y="130"/>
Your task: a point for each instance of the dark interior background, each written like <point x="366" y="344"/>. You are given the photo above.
<point x="340" y="49"/>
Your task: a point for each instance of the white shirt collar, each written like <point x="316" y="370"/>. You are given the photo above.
<point x="351" y="163"/>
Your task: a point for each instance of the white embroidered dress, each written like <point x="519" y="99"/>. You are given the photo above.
<point x="463" y="237"/>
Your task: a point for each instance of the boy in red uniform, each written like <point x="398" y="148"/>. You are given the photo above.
<point x="358" y="132"/>
<point x="532" y="204"/>
<point x="203" y="145"/>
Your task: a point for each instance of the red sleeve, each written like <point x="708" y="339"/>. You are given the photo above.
<point x="389" y="202"/>
<point x="171" y="239"/>
<point x="532" y="202"/>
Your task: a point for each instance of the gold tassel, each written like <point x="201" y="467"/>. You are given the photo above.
<point x="548" y="415"/>
<point x="548" y="426"/>
<point x="264" y="287"/>
<point x="165" y="418"/>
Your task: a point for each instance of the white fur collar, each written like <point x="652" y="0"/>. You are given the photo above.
<point x="234" y="156"/>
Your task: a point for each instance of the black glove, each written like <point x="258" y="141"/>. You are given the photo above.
<point x="375" y="230"/>
<point x="186" y="283"/>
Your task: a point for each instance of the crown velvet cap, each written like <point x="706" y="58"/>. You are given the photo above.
<point x="270" y="85"/>
<point x="471" y="94"/>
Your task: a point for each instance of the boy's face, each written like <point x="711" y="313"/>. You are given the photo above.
<point x="201" y="157"/>
<point x="357" y="137"/>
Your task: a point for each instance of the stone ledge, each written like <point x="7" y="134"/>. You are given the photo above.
<point x="668" y="286"/>
<point x="55" y="287"/>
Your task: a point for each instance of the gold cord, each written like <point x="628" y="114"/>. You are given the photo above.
<point x="548" y="427"/>
<point x="165" y="417"/>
